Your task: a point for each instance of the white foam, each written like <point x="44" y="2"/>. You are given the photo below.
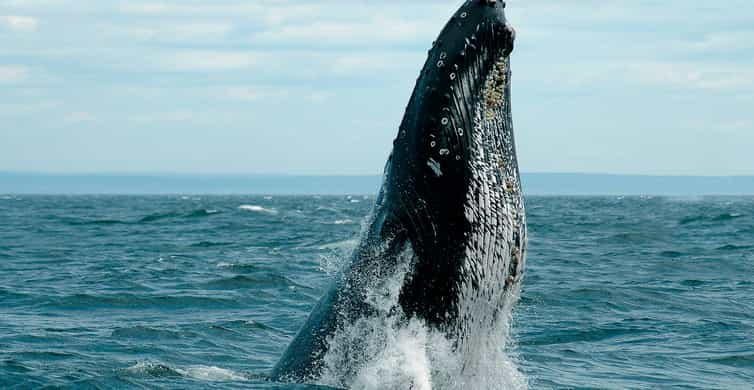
<point x="343" y="222"/>
<point x="257" y="209"/>
<point x="210" y="374"/>
<point x="199" y="372"/>
<point x="332" y="263"/>
<point x="387" y="351"/>
<point x="346" y="245"/>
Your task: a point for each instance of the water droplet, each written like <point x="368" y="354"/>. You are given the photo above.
<point x="460" y="131"/>
<point x="443" y="55"/>
<point x="440" y="64"/>
<point x="433" y="144"/>
<point x="452" y="76"/>
<point x="444" y="121"/>
<point x="444" y="152"/>
<point x="458" y="158"/>
<point x="464" y="14"/>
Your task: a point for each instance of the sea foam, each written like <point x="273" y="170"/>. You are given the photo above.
<point x="257" y="209"/>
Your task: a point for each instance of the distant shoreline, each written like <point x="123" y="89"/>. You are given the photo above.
<point x="547" y="184"/>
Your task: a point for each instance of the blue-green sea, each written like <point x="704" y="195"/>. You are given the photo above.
<point x="196" y="292"/>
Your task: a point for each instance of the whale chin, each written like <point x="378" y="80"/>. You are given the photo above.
<point x="449" y="227"/>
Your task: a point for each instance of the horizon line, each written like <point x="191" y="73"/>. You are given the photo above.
<point x="342" y="175"/>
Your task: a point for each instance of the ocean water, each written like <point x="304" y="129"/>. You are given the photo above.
<point x="207" y="291"/>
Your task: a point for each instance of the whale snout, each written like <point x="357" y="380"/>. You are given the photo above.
<point x="510" y="37"/>
<point x="493" y="12"/>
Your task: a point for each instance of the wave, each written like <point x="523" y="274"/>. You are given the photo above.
<point x="732" y="247"/>
<point x="198" y="213"/>
<point x="159" y="216"/>
<point x="257" y="209"/>
<point x="146" y="332"/>
<point x="256" y="281"/>
<point x="672" y="254"/>
<point x="210" y="244"/>
<point x="198" y="372"/>
<point x="246" y="326"/>
<point x="103" y="222"/>
<point x="707" y="218"/>
<point x="240" y="267"/>
<point x="202" y="213"/>
<point x="741" y="361"/>
<point x="88" y="301"/>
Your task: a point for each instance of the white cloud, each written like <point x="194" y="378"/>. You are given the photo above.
<point x="253" y="93"/>
<point x="374" y="64"/>
<point x="80" y="116"/>
<point x="208" y="60"/>
<point x="319" y="97"/>
<point x="377" y="29"/>
<point x="271" y="13"/>
<point x="696" y="75"/>
<point x="191" y="32"/>
<point x="19" y="23"/>
<point x="168" y="116"/>
<point x="725" y="41"/>
<point x="267" y="93"/>
<point x="8" y="109"/>
<point x="738" y="125"/>
<point x="10" y="74"/>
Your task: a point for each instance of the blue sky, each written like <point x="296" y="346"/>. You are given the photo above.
<point x="319" y="87"/>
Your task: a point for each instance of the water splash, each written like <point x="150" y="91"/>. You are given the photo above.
<point x="389" y="351"/>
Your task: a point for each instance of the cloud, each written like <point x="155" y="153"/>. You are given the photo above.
<point x="10" y="74"/>
<point x="170" y="32"/>
<point x="80" y="116"/>
<point x="167" y="116"/>
<point x="268" y="93"/>
<point x="19" y="23"/>
<point x="208" y="60"/>
<point x="268" y="12"/>
<point x="254" y="93"/>
<point x="694" y="75"/>
<point x="378" y="29"/>
<point x="373" y="64"/>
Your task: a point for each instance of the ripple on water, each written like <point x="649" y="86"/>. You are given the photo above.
<point x="130" y="301"/>
<point x="258" y="280"/>
<point x="617" y="294"/>
<point x="149" y="333"/>
<point x="741" y="361"/>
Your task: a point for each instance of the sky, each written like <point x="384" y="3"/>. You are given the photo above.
<point x="319" y="87"/>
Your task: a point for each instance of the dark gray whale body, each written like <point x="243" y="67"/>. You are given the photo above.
<point x="451" y="198"/>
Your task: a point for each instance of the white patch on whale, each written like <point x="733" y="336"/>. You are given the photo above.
<point x="435" y="167"/>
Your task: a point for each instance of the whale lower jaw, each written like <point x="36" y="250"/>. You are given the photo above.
<point x="495" y="249"/>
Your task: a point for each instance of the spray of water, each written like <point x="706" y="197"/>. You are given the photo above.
<point x="386" y="350"/>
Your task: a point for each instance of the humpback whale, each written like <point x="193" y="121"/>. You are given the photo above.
<point x="450" y="213"/>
